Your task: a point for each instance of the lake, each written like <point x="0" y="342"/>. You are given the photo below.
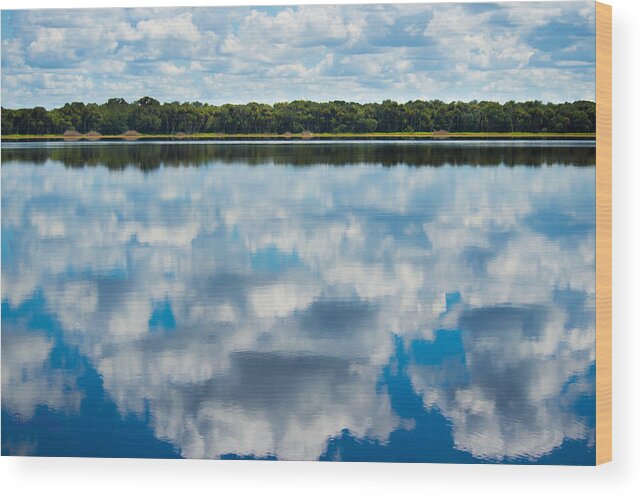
<point x="379" y="301"/>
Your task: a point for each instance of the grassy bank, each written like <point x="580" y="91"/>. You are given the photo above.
<point x="308" y="136"/>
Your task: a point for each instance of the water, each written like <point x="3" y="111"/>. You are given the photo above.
<point x="429" y="302"/>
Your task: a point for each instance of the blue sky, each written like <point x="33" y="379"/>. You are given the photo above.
<point x="448" y="51"/>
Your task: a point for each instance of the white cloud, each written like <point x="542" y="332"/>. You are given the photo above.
<point x="281" y="300"/>
<point x="320" y="52"/>
<point x="28" y="382"/>
<point x="47" y="39"/>
<point x="529" y="418"/>
<point x="178" y="27"/>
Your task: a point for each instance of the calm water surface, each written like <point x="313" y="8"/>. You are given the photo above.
<point x="357" y="301"/>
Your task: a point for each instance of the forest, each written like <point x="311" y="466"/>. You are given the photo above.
<point x="148" y="116"/>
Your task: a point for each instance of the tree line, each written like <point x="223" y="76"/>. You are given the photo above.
<point x="150" y="156"/>
<point x="149" y="116"/>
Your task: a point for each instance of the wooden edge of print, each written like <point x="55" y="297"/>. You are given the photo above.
<point x="603" y="233"/>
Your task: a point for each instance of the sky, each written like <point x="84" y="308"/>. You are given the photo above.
<point x="364" y="53"/>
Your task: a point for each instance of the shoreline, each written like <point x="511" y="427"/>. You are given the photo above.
<point x="305" y="137"/>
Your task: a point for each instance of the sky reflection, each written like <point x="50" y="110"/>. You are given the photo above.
<point x="356" y="313"/>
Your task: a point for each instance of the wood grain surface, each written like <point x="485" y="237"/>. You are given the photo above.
<point x="603" y="233"/>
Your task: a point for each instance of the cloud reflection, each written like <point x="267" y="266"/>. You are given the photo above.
<point x="252" y="310"/>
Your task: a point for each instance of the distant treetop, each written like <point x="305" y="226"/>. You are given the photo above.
<point x="148" y="115"/>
